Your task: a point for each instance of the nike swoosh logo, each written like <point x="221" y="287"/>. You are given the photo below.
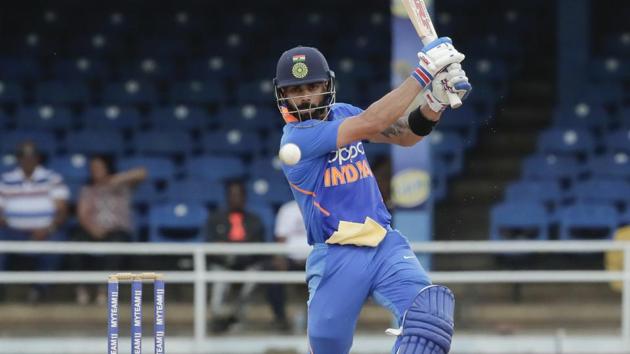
<point x="408" y="257"/>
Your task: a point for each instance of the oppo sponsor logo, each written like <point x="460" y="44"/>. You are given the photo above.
<point x="347" y="153"/>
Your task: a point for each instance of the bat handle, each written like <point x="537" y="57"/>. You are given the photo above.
<point x="453" y="99"/>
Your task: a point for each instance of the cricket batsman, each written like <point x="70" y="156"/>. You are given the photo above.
<point x="356" y="253"/>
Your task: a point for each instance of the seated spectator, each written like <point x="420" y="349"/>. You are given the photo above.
<point x="290" y="230"/>
<point x="234" y="224"/>
<point x="104" y="212"/>
<point x="33" y="207"/>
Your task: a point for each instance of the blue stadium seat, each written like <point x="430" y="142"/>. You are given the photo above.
<point x="44" y="117"/>
<point x="11" y="92"/>
<point x="146" y="194"/>
<point x="248" y="117"/>
<point x="177" y="222"/>
<point x="272" y="143"/>
<point x="158" y="169"/>
<point x="19" y="68"/>
<point x="376" y="90"/>
<point x="197" y="190"/>
<point x="566" y="142"/>
<point x="266" y="167"/>
<point x="8" y="162"/>
<point x="347" y="90"/>
<point x="6" y="122"/>
<point x="198" y="92"/>
<point x="603" y="93"/>
<point x="259" y="92"/>
<point x="170" y="144"/>
<point x="603" y="191"/>
<point x="347" y="67"/>
<point x="44" y="140"/>
<point x="163" y="46"/>
<point x="544" y="192"/>
<point x="62" y="92"/>
<point x="91" y="142"/>
<point x="611" y="69"/>
<point x="610" y="166"/>
<point x="214" y="168"/>
<point x="178" y="118"/>
<point x="234" y="141"/>
<point x="36" y="44"/>
<point x="551" y="167"/>
<point x="97" y="45"/>
<point x="149" y="68"/>
<point x="624" y="117"/>
<point x="357" y="44"/>
<point x="618" y="141"/>
<point x="80" y="68"/>
<point x="488" y="70"/>
<point x="518" y="220"/>
<point x="213" y="68"/>
<point x="588" y="221"/>
<point x="450" y="148"/>
<point x="129" y="92"/>
<point x="74" y="187"/>
<point x="111" y="117"/>
<point x="268" y="190"/>
<point x="582" y="115"/>
<point x="463" y="121"/>
<point x="73" y="168"/>
<point x="373" y="152"/>
<point x="266" y="214"/>
<point x="485" y="96"/>
<point x="232" y="46"/>
<point x="617" y="44"/>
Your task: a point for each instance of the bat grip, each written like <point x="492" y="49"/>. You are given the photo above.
<point x="453" y="99"/>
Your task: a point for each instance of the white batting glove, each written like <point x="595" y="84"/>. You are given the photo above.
<point x="434" y="58"/>
<point x="452" y="80"/>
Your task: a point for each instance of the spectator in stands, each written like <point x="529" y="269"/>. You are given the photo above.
<point x="290" y="230"/>
<point x="33" y="207"/>
<point x="234" y="224"/>
<point x="104" y="212"/>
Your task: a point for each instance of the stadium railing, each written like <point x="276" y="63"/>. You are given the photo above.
<point x="199" y="276"/>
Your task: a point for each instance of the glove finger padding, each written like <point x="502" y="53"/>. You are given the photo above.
<point x="437" y="55"/>
<point x="451" y="58"/>
<point x="453" y="80"/>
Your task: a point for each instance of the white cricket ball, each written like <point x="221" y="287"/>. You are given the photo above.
<point x="290" y="154"/>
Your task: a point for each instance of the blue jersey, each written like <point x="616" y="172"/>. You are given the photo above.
<point x="334" y="187"/>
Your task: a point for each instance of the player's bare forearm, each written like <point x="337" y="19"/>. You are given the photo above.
<point x="390" y="107"/>
<point x="379" y="115"/>
<point x="399" y="133"/>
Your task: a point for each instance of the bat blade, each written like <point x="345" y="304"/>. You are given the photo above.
<point x="417" y="11"/>
<point x="421" y="21"/>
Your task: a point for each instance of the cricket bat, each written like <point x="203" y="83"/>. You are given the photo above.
<point x="419" y="16"/>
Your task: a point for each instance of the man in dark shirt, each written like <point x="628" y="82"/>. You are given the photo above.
<point x="233" y="224"/>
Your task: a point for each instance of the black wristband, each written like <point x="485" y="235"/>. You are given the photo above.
<point x="419" y="124"/>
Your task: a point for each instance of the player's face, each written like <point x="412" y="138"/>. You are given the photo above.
<point x="306" y="97"/>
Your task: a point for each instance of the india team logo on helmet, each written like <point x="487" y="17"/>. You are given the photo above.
<point x="299" y="69"/>
<point x="300" y="66"/>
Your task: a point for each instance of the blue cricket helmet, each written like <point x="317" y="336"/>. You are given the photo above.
<point x="300" y="66"/>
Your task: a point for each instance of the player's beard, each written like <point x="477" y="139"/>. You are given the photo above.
<point x="309" y="111"/>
